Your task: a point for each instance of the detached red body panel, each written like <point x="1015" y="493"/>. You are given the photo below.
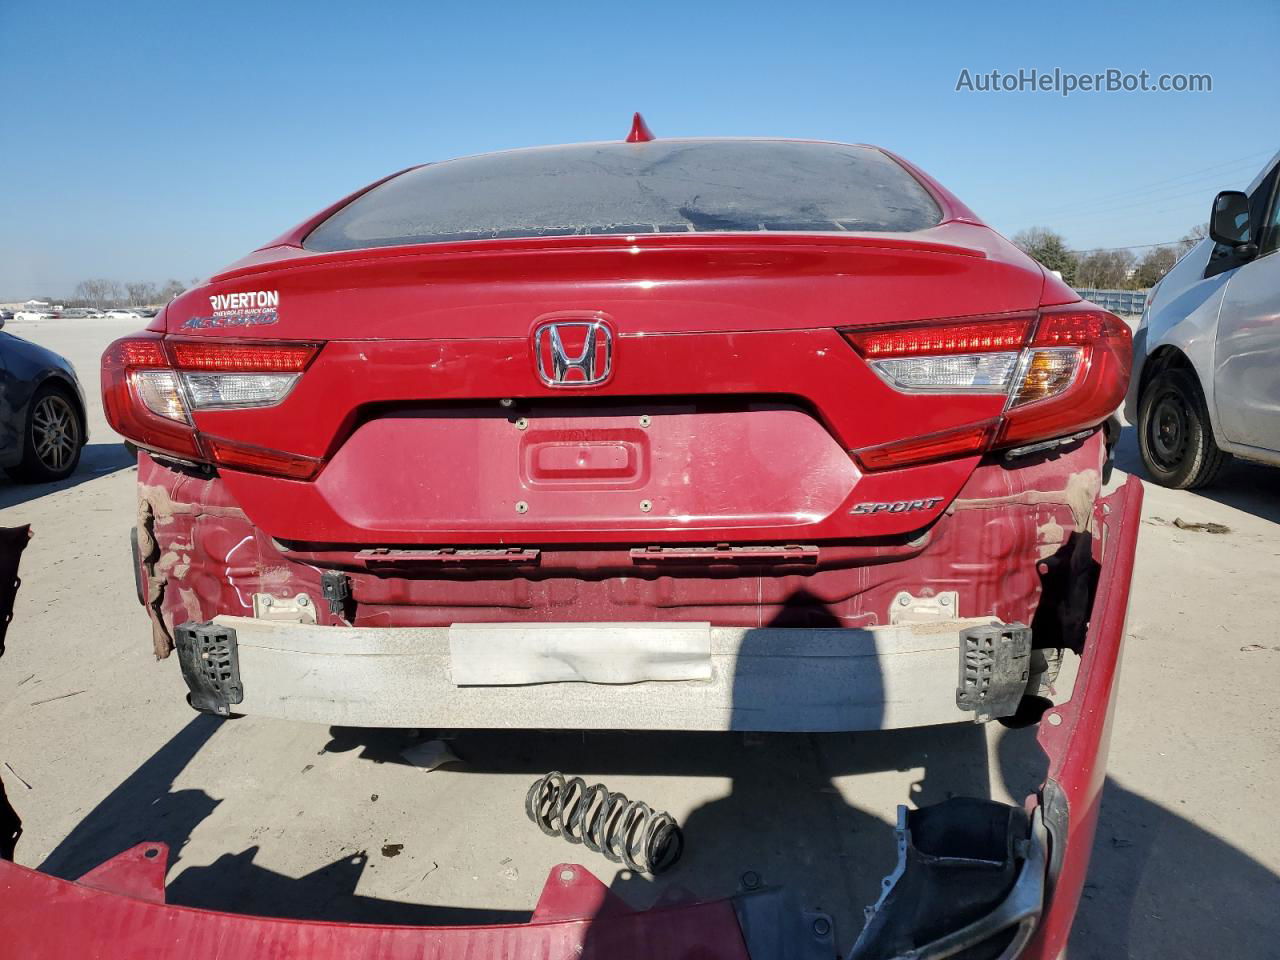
<point x="119" y="911"/>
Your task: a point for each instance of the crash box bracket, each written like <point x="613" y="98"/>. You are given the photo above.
<point x="995" y="666"/>
<point x="210" y="664"/>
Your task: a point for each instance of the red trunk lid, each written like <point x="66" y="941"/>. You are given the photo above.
<point x="727" y="414"/>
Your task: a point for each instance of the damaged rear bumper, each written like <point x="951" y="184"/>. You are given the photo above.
<point x="973" y="875"/>
<point x="593" y="676"/>
<point x="1034" y="919"/>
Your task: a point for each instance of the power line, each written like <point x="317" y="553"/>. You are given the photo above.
<point x="1197" y="192"/>
<point x="1192" y="188"/>
<point x="1156" y="186"/>
<point x="1132" y="246"/>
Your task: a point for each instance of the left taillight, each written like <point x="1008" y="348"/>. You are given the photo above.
<point x="152" y="385"/>
<point x="1060" y="370"/>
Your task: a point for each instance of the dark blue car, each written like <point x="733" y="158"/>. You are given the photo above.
<point x="42" y="421"/>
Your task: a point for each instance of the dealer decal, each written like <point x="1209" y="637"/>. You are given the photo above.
<point x="253" y="308"/>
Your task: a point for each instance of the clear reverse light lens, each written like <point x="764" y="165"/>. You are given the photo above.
<point x="158" y="390"/>
<point x="973" y="372"/>
<point x="211" y="390"/>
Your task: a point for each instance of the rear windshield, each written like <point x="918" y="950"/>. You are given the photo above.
<point x="629" y="188"/>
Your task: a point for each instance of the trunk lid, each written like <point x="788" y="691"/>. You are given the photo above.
<point x="728" y="411"/>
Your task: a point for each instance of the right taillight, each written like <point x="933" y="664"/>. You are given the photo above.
<point x="152" y="385"/>
<point x="1074" y="374"/>
<point x="1060" y="369"/>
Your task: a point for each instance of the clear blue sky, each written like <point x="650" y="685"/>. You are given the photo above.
<point x="148" y="141"/>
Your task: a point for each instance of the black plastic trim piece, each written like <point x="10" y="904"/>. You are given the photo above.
<point x="210" y="663"/>
<point x="995" y="667"/>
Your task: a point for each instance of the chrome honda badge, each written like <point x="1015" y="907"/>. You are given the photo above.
<point x="573" y="353"/>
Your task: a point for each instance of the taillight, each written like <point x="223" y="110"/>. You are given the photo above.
<point x="1060" y="370"/>
<point x="142" y="399"/>
<point x="971" y="356"/>
<point x="151" y="386"/>
<point x="974" y="438"/>
<point x="1076" y="376"/>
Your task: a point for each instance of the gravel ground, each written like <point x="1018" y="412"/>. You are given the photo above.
<point x="293" y="820"/>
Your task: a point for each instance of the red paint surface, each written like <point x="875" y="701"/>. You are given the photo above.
<point x="138" y="873"/>
<point x="1077" y="748"/>
<point x="54" y="919"/>
<point x="708" y="321"/>
<point x="985" y="547"/>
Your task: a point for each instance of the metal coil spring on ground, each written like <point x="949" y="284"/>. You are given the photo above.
<point x="626" y="831"/>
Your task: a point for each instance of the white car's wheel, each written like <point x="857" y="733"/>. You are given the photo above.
<point x="1175" y="437"/>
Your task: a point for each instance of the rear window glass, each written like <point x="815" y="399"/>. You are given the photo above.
<point x="629" y="188"/>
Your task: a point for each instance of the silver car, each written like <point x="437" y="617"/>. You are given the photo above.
<point x="1206" y="376"/>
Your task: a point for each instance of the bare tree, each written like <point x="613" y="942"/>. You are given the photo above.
<point x="1194" y="236"/>
<point x="141" y="293"/>
<point x="101" y="292"/>
<point x="98" y="292"/>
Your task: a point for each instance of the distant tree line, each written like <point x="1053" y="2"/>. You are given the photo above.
<point x="103" y="294"/>
<point x="1107" y="269"/>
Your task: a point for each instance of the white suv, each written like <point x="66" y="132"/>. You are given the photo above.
<point x="1206" y="374"/>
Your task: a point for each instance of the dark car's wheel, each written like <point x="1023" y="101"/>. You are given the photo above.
<point x="54" y="437"/>
<point x="1174" y="434"/>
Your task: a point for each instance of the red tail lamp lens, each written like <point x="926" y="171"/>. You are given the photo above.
<point x="136" y="353"/>
<point x="970" y="439"/>
<point x="242" y="357"/>
<point x="151" y="384"/>
<point x="1075" y="328"/>
<point x="914" y="340"/>
<point x="1072" y="368"/>
<point x="240" y="456"/>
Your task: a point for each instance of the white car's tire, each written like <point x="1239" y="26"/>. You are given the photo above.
<point x="1175" y="437"/>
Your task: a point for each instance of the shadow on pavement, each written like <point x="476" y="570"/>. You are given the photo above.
<point x="96" y="460"/>
<point x="1159" y="886"/>
<point x="785" y="822"/>
<point x="1249" y="487"/>
<point x="143" y="807"/>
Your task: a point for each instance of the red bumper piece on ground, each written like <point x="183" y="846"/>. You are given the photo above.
<point x="118" y="910"/>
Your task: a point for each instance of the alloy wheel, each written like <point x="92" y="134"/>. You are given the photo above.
<point x="55" y="432"/>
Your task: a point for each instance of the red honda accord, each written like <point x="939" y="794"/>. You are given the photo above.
<point x="653" y="434"/>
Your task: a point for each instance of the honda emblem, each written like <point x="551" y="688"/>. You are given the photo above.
<point x="573" y="353"/>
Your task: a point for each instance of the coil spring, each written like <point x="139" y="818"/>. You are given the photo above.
<point x="626" y="831"/>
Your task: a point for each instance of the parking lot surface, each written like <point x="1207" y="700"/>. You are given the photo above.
<point x="101" y="752"/>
